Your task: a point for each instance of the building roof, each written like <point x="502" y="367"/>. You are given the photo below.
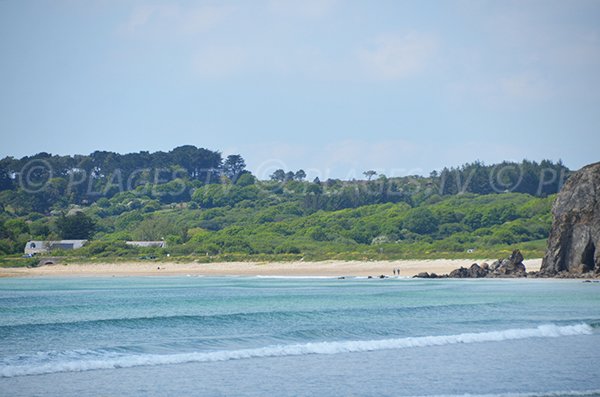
<point x="159" y="243"/>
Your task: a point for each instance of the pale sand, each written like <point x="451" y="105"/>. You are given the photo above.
<point x="407" y="268"/>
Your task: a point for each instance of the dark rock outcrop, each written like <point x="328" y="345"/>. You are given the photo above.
<point x="503" y="268"/>
<point x="575" y="236"/>
<point x="422" y="275"/>
<point x="475" y="271"/>
<point x="510" y="267"/>
<point x="429" y="275"/>
<point x="461" y="272"/>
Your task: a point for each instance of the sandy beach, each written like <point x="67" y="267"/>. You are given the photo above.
<point x="407" y="268"/>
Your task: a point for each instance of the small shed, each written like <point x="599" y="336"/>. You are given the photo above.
<point x="42" y="247"/>
<point x="36" y="247"/>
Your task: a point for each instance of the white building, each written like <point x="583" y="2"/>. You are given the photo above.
<point x="145" y="244"/>
<point x="43" y="247"/>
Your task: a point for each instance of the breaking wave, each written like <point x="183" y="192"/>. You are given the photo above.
<point x="76" y="361"/>
<point x="563" y="393"/>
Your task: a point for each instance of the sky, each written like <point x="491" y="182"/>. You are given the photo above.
<point x="332" y="87"/>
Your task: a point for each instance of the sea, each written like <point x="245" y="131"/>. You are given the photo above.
<point x="268" y="336"/>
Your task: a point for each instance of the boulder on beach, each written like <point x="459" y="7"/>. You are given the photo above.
<point x="510" y="267"/>
<point x="428" y="275"/>
<point x="475" y="271"/>
<point x="461" y="272"/>
<point x="421" y="275"/>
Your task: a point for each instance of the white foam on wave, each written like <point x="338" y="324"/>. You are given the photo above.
<point x="110" y="361"/>
<point x="563" y="393"/>
<point x="294" y="277"/>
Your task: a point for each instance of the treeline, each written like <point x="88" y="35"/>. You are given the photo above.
<point x="536" y="179"/>
<point x="44" y="181"/>
<point x="206" y="205"/>
<point x="192" y="162"/>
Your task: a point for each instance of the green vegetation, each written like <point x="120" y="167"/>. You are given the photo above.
<point x="207" y="209"/>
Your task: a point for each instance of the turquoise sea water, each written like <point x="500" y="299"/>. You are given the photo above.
<point x="298" y="337"/>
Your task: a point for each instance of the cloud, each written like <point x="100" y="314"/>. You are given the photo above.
<point x="174" y="18"/>
<point x="394" y="57"/>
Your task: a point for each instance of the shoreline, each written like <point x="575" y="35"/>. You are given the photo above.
<point x="331" y="268"/>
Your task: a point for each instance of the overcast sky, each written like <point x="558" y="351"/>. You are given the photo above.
<point x="333" y="87"/>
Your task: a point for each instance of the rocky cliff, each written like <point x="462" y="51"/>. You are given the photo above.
<point x="575" y="236"/>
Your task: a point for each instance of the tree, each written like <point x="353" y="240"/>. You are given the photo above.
<point x="13" y="228"/>
<point x="158" y="228"/>
<point x="369" y="174"/>
<point x="234" y="166"/>
<point x="199" y="163"/>
<point x="76" y="227"/>
<point x="421" y="221"/>
<point x="314" y="188"/>
<point x="6" y="182"/>
<point x="278" y="175"/>
<point x="245" y="179"/>
<point x="300" y="175"/>
<point x="210" y="196"/>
